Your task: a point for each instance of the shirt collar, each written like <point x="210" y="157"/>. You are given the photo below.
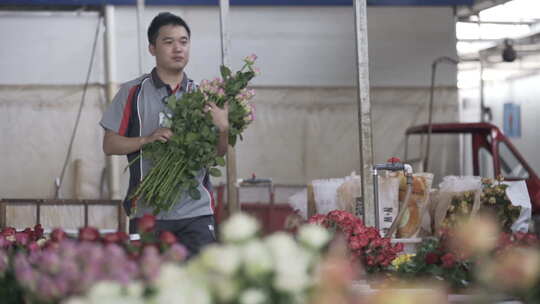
<point x="158" y="83"/>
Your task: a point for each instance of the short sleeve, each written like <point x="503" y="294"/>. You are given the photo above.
<point x="118" y="113"/>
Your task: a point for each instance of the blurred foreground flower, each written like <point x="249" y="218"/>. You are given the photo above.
<point x="513" y="270"/>
<point x="477" y="236"/>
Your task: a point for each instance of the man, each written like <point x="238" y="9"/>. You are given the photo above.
<point x="134" y="119"/>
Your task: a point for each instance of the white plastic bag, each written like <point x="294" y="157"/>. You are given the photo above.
<point x="518" y="194"/>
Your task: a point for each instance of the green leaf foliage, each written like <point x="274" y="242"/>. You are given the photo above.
<point x="192" y="148"/>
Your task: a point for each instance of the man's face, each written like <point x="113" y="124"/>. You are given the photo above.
<point x="171" y="48"/>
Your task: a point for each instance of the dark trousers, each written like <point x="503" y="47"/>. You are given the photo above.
<point x="194" y="233"/>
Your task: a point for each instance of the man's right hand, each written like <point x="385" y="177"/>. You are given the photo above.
<point x="161" y="134"/>
<point x="115" y="144"/>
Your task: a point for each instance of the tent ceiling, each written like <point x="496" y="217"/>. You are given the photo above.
<point x="92" y="4"/>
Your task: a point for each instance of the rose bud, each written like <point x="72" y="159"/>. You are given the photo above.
<point x="167" y="237"/>
<point x="58" y="235"/>
<point x="147" y="223"/>
<point x="111" y="238"/>
<point x="88" y="234"/>
<point x="38" y="231"/>
<point x="122" y="236"/>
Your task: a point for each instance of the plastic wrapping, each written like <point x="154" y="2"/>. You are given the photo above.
<point x="388" y="201"/>
<point x="450" y="187"/>
<point x="518" y="194"/>
<point x="410" y="224"/>
<point x="325" y="191"/>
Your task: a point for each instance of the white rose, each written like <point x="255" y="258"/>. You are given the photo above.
<point x="76" y="300"/>
<point x="222" y="259"/>
<point x="292" y="263"/>
<point x="104" y="290"/>
<point x="175" y="285"/>
<point x="257" y="259"/>
<point x="253" y="296"/>
<point x="135" y="290"/>
<point x="313" y="236"/>
<point x="239" y="228"/>
<point x="281" y="245"/>
<point x="226" y="289"/>
<point x="292" y="274"/>
<point x="170" y="275"/>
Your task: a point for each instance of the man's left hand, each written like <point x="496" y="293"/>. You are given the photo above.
<point x="220" y="117"/>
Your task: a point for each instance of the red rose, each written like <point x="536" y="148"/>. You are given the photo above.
<point x="111" y="238"/>
<point x="136" y="243"/>
<point x="448" y="260"/>
<point x="29" y="233"/>
<point x="432" y="258"/>
<point x="370" y="261"/>
<point x="58" y="235"/>
<point x="317" y="219"/>
<point x="116" y="237"/>
<point x="147" y="223"/>
<point x="354" y="244"/>
<point x="124" y="237"/>
<point x="167" y="237"/>
<point x="88" y="234"/>
<point x="38" y="231"/>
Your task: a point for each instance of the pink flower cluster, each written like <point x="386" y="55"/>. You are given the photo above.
<point x="71" y="268"/>
<point x="10" y="237"/>
<point x="365" y="243"/>
<point x="61" y="266"/>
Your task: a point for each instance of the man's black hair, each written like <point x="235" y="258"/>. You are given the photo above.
<point x="163" y="19"/>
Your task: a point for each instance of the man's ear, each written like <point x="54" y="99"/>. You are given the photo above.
<point x="152" y="49"/>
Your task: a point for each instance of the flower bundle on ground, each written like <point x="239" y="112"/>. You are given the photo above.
<point x="494" y="199"/>
<point x="193" y="145"/>
<point x="365" y="243"/>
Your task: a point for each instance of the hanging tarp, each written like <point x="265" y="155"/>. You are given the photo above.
<point x="239" y="2"/>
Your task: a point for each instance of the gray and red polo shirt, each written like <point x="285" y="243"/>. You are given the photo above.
<point x="138" y="110"/>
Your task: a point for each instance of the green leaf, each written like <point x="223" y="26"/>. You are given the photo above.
<point x="225" y="72"/>
<point x="215" y="172"/>
<point x="220" y="161"/>
<point x="194" y="193"/>
<point x="191" y="137"/>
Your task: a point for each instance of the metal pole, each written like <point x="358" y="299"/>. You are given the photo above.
<point x="364" y="111"/>
<point x="430" y="115"/>
<point x="140" y="13"/>
<point x="112" y="162"/>
<point x="232" y="191"/>
<point x="430" y="109"/>
<point x="482" y="89"/>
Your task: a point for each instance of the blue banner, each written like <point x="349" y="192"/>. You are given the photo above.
<point x="512" y="120"/>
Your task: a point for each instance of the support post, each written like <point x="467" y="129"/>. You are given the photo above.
<point x="364" y="111"/>
<point x="112" y="162"/>
<point x="232" y="192"/>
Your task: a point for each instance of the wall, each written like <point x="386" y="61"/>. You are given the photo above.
<point x="297" y="46"/>
<point x="523" y="91"/>
<point x="306" y="125"/>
